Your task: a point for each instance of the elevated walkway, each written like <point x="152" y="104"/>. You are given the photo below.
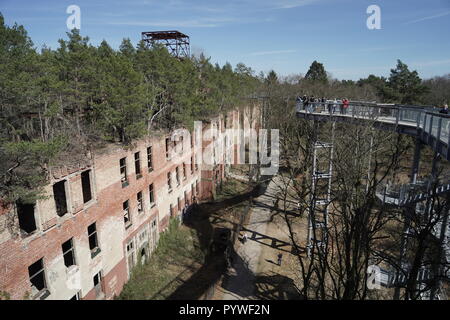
<point x="411" y="193"/>
<point x="431" y="127"/>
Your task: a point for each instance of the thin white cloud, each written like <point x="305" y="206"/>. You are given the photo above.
<point x="193" y="23"/>
<point x="375" y="49"/>
<point x="265" y="53"/>
<point x="288" y="4"/>
<point x="431" y="63"/>
<point x="442" y="14"/>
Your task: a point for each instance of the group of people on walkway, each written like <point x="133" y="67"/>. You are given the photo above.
<point x="311" y="103"/>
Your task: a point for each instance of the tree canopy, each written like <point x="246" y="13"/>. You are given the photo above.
<point x="316" y="72"/>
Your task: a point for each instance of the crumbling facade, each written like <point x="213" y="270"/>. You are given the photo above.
<point x="99" y="220"/>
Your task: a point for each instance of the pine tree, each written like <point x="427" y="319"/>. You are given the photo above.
<point x="316" y="72"/>
<point x="405" y="86"/>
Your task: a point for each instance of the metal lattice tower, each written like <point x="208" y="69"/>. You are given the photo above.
<point x="320" y="194"/>
<point x="176" y="42"/>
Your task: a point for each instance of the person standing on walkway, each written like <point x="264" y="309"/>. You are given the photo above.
<point x="311" y="104"/>
<point x="345" y="104"/>
<point x="335" y="105"/>
<point x="279" y="258"/>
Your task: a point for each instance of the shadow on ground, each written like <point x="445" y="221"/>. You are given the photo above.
<point x="215" y="266"/>
<point x="276" y="287"/>
<point x="215" y="263"/>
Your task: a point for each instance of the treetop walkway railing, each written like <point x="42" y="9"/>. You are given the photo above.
<point x="431" y="127"/>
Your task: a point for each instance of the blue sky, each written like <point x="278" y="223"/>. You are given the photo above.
<point x="284" y="35"/>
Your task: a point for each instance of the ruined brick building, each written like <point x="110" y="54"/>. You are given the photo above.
<point x="99" y="219"/>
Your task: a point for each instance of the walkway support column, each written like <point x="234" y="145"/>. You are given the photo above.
<point x="416" y="160"/>
<point x="408" y="212"/>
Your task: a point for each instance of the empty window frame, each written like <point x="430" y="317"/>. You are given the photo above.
<point x="177" y="175"/>
<point x="196" y="165"/>
<point x="26" y="216"/>
<point x="192" y="190"/>
<point x="167" y="148"/>
<point x="86" y="185"/>
<point x="131" y="256"/>
<point x="179" y="203"/>
<point x="59" y="194"/>
<point x="197" y="188"/>
<point x="170" y="210"/>
<point x="36" y="273"/>
<point x="150" y="158"/>
<point x="123" y="172"/>
<point x="98" y="284"/>
<point x="68" y="253"/>
<point x="93" y="241"/>
<point x="184" y="171"/>
<point x="192" y="165"/>
<point x="126" y="214"/>
<point x="151" y="193"/>
<point x="169" y="181"/>
<point x="186" y="199"/>
<point x="137" y="165"/>
<point x="140" y="202"/>
<point x="76" y="297"/>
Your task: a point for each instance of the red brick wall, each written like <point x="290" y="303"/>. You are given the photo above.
<point x="16" y="254"/>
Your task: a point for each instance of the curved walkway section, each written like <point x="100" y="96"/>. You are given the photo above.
<point x="430" y="127"/>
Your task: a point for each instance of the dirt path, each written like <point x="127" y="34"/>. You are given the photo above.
<point x="240" y="281"/>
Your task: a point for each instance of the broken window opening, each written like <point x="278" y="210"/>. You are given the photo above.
<point x="140" y="202"/>
<point x="76" y="297"/>
<point x="177" y="175"/>
<point x="37" y="276"/>
<point x="149" y="158"/>
<point x="68" y="253"/>
<point x="59" y="194"/>
<point x="184" y="171"/>
<point x="186" y="199"/>
<point x="93" y="241"/>
<point x="137" y="165"/>
<point x="25" y="214"/>
<point x="123" y="172"/>
<point x="143" y="256"/>
<point x="98" y="284"/>
<point x="126" y="214"/>
<point x="167" y="148"/>
<point x="151" y="195"/>
<point x="169" y="181"/>
<point x="86" y="186"/>
<point x="131" y="256"/>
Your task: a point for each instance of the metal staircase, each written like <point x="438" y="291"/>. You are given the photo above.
<point x="320" y="195"/>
